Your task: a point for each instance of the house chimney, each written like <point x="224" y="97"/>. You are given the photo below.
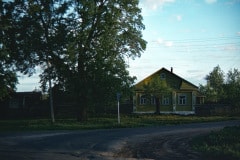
<point x="171" y="69"/>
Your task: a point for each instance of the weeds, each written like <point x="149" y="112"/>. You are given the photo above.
<point x="224" y="144"/>
<point x="104" y="121"/>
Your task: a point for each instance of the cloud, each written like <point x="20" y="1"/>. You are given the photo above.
<point x="238" y="33"/>
<point x="178" y="17"/>
<point x="168" y="44"/>
<point x="155" y="4"/>
<point x="161" y="41"/>
<point x="231" y="48"/>
<point x="210" y="1"/>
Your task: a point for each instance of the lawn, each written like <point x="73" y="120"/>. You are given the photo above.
<point x="105" y="121"/>
<point x="224" y="144"/>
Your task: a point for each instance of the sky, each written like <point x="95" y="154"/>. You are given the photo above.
<point x="192" y="36"/>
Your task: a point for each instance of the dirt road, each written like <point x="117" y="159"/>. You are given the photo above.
<point x="165" y="142"/>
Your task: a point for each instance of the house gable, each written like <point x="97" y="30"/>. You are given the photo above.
<point x="187" y="86"/>
<point x="173" y="81"/>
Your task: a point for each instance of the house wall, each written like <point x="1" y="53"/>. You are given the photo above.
<point x="188" y="104"/>
<point x="173" y="106"/>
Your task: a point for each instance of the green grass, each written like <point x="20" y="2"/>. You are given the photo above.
<point x="104" y="121"/>
<point x="224" y="144"/>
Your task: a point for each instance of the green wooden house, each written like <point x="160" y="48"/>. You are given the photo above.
<point x="185" y="96"/>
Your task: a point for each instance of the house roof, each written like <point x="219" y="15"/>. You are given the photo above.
<point x="184" y="83"/>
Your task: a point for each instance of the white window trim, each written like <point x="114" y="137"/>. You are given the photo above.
<point x="153" y="100"/>
<point x="182" y="101"/>
<point x="165" y="101"/>
<point x="143" y="100"/>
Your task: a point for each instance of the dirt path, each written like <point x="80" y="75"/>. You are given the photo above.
<point x="166" y="146"/>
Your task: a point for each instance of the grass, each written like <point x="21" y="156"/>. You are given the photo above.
<point x="104" y="122"/>
<point x="224" y="144"/>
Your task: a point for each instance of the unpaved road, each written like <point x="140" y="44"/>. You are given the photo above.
<point x="165" y="142"/>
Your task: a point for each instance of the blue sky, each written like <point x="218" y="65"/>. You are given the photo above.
<point x="192" y="36"/>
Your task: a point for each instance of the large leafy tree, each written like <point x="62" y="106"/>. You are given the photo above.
<point x="107" y="32"/>
<point x="81" y="45"/>
<point x="36" y="35"/>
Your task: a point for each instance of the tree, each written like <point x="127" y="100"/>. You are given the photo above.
<point x="215" y="80"/>
<point x="219" y="90"/>
<point x="36" y="36"/>
<point x="157" y="88"/>
<point x="232" y="88"/>
<point x="209" y="92"/>
<point x="106" y="33"/>
<point x="81" y="45"/>
<point x="8" y="77"/>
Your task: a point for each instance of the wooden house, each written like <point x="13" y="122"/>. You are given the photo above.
<point x="183" y="99"/>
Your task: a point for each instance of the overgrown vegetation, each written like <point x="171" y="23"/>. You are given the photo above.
<point x="221" y="88"/>
<point x="104" y="122"/>
<point x="223" y="144"/>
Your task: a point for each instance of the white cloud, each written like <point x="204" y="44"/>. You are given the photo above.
<point x="163" y="42"/>
<point x="159" y="40"/>
<point x="168" y="44"/>
<point x="238" y="33"/>
<point x="210" y="1"/>
<point x="155" y="4"/>
<point x="179" y="17"/>
<point x="231" y="48"/>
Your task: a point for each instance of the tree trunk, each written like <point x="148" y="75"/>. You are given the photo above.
<point x="82" y="109"/>
<point x="157" y="105"/>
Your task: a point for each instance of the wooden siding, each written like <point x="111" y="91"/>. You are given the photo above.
<point x="179" y="86"/>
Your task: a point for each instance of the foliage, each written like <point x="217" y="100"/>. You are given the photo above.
<point x="232" y="88"/>
<point x="215" y="81"/>
<point x="8" y="77"/>
<point x="224" y="144"/>
<point x="220" y="90"/>
<point x="157" y="87"/>
<point x="81" y="46"/>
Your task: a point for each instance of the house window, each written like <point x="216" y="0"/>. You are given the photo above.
<point x="143" y="100"/>
<point x="153" y="100"/>
<point x="165" y="101"/>
<point x="162" y="76"/>
<point x="182" y="99"/>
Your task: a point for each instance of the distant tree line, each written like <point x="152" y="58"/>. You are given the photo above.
<point x="222" y="88"/>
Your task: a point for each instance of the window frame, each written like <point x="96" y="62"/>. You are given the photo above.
<point x="143" y="100"/>
<point x="166" y="100"/>
<point x="182" y="99"/>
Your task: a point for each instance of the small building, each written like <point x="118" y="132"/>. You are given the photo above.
<point x="20" y="104"/>
<point x="24" y="100"/>
<point x="185" y="96"/>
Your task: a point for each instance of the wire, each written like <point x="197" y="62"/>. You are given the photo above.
<point x="204" y="45"/>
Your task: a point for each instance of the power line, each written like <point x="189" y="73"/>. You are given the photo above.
<point x="213" y="44"/>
